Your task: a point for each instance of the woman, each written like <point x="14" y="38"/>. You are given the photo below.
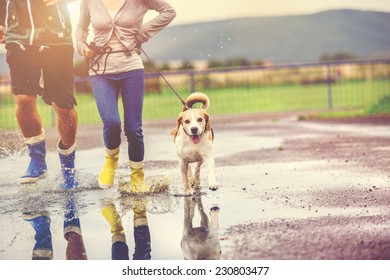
<point x="116" y="67"/>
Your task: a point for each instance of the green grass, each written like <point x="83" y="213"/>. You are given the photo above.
<point x="382" y="107"/>
<point x="350" y="97"/>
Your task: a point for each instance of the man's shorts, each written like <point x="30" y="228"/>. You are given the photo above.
<point x="55" y="64"/>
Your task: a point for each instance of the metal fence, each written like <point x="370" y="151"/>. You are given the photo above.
<point x="341" y="85"/>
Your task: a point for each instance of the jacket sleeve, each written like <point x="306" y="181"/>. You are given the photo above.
<point x="82" y="30"/>
<point x="3" y="5"/>
<point x="151" y="28"/>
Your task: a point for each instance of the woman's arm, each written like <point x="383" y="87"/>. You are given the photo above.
<point x="151" y="28"/>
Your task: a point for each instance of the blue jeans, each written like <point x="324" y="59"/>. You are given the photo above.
<point x="106" y="89"/>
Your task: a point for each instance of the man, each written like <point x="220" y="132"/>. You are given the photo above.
<point x="37" y="36"/>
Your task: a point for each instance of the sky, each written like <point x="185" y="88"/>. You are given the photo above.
<point x="191" y="11"/>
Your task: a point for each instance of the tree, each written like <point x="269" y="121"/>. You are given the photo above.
<point x="215" y="63"/>
<point x="235" y="62"/>
<point x="186" y="65"/>
<point x="340" y="55"/>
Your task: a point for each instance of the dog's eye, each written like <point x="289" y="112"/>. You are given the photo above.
<point x="187" y="121"/>
<point x="200" y="120"/>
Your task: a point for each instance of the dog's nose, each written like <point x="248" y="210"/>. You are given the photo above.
<point x="194" y="130"/>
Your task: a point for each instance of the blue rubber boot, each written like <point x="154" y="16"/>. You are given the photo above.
<point x="67" y="158"/>
<point x="37" y="167"/>
<point x="43" y="248"/>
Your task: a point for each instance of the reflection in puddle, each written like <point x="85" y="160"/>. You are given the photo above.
<point x="119" y="249"/>
<point x="202" y="242"/>
<point x="88" y="223"/>
<point x="40" y="221"/>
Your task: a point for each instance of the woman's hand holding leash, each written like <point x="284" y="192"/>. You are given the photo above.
<point x="88" y="52"/>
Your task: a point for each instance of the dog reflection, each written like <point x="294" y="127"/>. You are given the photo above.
<point x="40" y="222"/>
<point x="200" y="243"/>
<point x="119" y="248"/>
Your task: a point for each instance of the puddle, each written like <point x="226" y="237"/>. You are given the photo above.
<point x="248" y="194"/>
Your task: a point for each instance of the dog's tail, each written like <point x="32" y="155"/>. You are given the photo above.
<point x="195" y="98"/>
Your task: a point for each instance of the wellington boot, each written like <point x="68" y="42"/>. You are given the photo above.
<point x="138" y="184"/>
<point x="106" y="176"/>
<point x="67" y="159"/>
<point x="37" y="152"/>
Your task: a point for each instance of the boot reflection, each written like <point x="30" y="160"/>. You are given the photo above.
<point x="141" y="230"/>
<point x="40" y="221"/>
<point x="200" y="243"/>
<point x="119" y="249"/>
<point x="75" y="250"/>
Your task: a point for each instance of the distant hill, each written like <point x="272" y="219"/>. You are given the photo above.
<point x="280" y="39"/>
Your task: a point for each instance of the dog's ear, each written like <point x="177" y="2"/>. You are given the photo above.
<point x="207" y="119"/>
<point x="176" y="129"/>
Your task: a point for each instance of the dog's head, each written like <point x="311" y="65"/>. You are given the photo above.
<point x="195" y="123"/>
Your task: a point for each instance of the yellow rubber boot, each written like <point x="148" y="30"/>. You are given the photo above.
<point x="137" y="178"/>
<point x="109" y="212"/>
<point x="106" y="176"/>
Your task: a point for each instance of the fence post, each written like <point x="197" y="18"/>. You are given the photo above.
<point x="329" y="84"/>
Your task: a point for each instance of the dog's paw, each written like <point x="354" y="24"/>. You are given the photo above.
<point x="215" y="208"/>
<point x="197" y="192"/>
<point x="187" y="192"/>
<point x="213" y="188"/>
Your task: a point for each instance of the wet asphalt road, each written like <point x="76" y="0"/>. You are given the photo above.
<point x="288" y="190"/>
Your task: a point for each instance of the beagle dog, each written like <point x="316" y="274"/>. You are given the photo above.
<point x="200" y="242"/>
<point x="193" y="138"/>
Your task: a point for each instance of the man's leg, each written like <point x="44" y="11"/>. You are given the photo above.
<point x="58" y="91"/>
<point x="67" y="128"/>
<point x="27" y="115"/>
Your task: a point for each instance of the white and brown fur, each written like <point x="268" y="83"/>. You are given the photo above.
<point x="193" y="137"/>
<point x="200" y="242"/>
